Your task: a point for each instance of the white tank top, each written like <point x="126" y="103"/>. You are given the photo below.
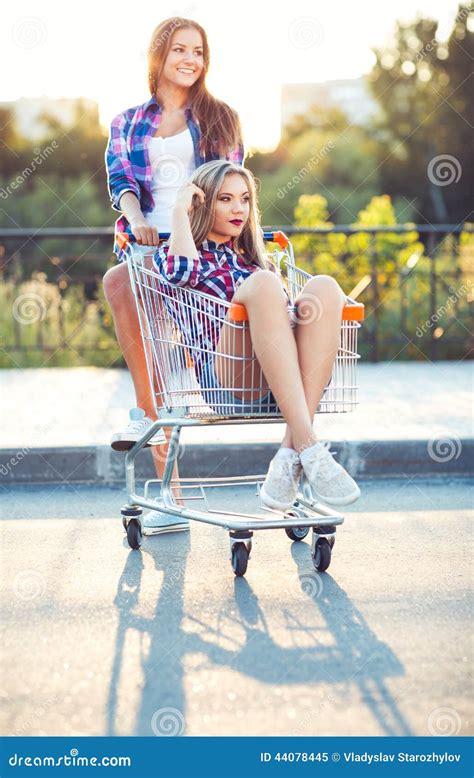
<point x="172" y="164"/>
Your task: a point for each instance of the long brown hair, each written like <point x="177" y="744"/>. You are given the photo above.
<point x="219" y="124"/>
<point x="210" y="178"/>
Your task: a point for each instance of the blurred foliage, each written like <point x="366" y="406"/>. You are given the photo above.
<point x="390" y="274"/>
<point x="326" y="170"/>
<point x="46" y="327"/>
<point x="424" y="89"/>
<point x="313" y="157"/>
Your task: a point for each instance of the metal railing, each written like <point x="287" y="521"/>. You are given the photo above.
<point x="32" y="260"/>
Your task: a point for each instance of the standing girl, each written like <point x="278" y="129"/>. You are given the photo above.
<point x="153" y="150"/>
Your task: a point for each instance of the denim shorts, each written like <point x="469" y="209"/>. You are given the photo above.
<point x="223" y="402"/>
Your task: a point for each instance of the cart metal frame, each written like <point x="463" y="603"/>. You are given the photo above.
<point x="179" y="403"/>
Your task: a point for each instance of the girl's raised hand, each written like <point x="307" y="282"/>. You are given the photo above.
<point x="189" y="197"/>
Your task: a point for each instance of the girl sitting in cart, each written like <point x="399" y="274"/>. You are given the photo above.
<point x="216" y="247"/>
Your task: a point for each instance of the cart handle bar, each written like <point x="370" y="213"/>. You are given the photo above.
<point x="352" y="311"/>
<point x="125" y="238"/>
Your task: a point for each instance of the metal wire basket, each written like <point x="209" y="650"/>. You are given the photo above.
<point x="180" y="327"/>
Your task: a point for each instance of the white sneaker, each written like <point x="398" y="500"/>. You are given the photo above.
<point x="328" y="479"/>
<point x="155" y="522"/>
<point x="281" y="484"/>
<point x="137" y="426"/>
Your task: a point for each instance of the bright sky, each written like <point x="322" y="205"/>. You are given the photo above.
<point x="97" y="49"/>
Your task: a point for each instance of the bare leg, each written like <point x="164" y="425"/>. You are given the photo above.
<point x="318" y="333"/>
<point x="297" y="366"/>
<point x="119" y="295"/>
<point x="275" y="348"/>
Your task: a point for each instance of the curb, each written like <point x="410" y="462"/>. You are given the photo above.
<point x="102" y="465"/>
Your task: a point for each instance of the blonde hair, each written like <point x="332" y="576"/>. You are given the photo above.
<point x="210" y="178"/>
<point x="218" y="123"/>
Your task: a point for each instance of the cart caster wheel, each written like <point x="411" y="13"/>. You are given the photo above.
<point x="322" y="555"/>
<point x="134" y="534"/>
<point x="239" y="559"/>
<point x="124" y="523"/>
<point x="297" y="533"/>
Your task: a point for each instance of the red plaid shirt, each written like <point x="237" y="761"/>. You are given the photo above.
<point x="218" y="272"/>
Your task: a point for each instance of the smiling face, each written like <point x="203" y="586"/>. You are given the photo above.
<point x="232" y="209"/>
<point x="184" y="62"/>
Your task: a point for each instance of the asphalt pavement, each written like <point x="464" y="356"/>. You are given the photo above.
<point x="102" y="640"/>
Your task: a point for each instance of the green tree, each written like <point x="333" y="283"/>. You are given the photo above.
<point x="423" y="88"/>
<point x="319" y="153"/>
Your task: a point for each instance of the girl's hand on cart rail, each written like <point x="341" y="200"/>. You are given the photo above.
<point x="189" y="197"/>
<point x="144" y="234"/>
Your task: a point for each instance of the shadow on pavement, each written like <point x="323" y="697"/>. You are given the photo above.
<point x="341" y="650"/>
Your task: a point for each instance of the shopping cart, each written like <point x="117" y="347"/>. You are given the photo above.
<point x="179" y="326"/>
